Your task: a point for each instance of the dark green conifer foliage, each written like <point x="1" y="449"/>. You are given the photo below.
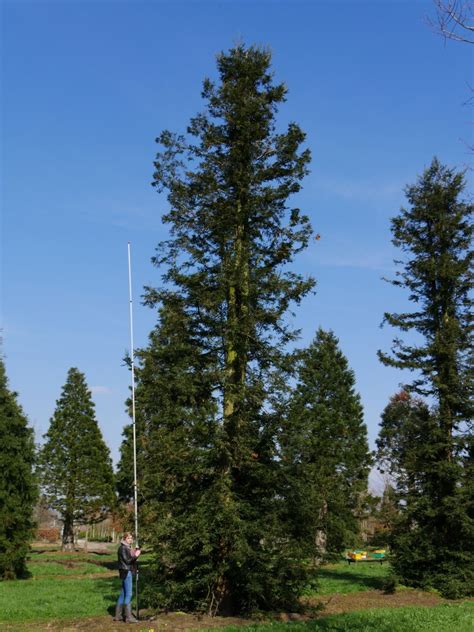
<point x="386" y="514"/>
<point x="18" y="485"/>
<point x="124" y="473"/>
<point x="403" y="445"/>
<point x="177" y="424"/>
<point x="435" y="234"/>
<point x="204" y="386"/>
<point x="324" y="446"/>
<point x="431" y="535"/>
<point x="76" y="470"/>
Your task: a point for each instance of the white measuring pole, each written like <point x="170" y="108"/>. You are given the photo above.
<point x="132" y="360"/>
<point x="134" y="427"/>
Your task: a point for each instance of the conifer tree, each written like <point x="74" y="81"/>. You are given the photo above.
<point x="435" y="235"/>
<point x="386" y="514"/>
<point x="124" y="473"/>
<point x="403" y="448"/>
<point x="18" y="485"/>
<point x="206" y="379"/>
<point x="76" y="469"/>
<point x="324" y="446"/>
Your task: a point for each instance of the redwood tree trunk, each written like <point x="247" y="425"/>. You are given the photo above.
<point x="68" y="534"/>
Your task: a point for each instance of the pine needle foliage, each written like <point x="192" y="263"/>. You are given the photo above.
<point x="205" y="385"/>
<point x="124" y="474"/>
<point x="76" y="470"/>
<point x="432" y="449"/>
<point x="325" y="448"/>
<point x="18" y="485"/>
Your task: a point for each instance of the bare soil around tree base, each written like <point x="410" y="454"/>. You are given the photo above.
<point x="331" y="604"/>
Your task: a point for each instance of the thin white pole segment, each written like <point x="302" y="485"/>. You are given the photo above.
<point x="134" y="427"/>
<point x="133" y="397"/>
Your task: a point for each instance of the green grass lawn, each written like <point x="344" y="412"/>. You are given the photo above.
<point x="45" y="596"/>
<point x="345" y="578"/>
<point x="49" y="598"/>
<point x="52" y="569"/>
<point x="445" y="618"/>
<point x="50" y="564"/>
<point x="57" y="554"/>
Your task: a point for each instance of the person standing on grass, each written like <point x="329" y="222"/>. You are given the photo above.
<point x="127" y="563"/>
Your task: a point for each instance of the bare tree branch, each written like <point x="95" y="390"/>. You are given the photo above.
<point x="454" y="20"/>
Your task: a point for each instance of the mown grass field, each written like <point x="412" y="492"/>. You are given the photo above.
<point x="50" y="598"/>
<point x="342" y="578"/>
<point x="62" y="586"/>
<point x="71" y="586"/>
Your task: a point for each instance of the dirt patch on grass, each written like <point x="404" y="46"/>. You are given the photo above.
<point x="169" y="622"/>
<point x="338" y="603"/>
<point x="333" y="604"/>
<point x="92" y="547"/>
<point x="68" y="563"/>
<point x="75" y="577"/>
<point x="110" y="566"/>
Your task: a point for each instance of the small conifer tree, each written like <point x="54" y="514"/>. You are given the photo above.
<point x="324" y="446"/>
<point x="76" y="470"/>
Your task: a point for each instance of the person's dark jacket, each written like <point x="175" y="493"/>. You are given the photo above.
<point x="126" y="560"/>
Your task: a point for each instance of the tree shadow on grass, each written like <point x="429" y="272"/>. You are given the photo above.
<point x="111" y="565"/>
<point x="22" y="575"/>
<point x="109" y="588"/>
<point x="351" y="577"/>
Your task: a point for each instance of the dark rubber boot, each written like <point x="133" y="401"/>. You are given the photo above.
<point x="129" y="618"/>
<point x="118" y="612"/>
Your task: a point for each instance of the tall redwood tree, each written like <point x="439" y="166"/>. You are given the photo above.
<point x="206" y="381"/>
<point x="435" y="236"/>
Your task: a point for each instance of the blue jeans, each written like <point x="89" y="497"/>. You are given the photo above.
<point x="126" y="593"/>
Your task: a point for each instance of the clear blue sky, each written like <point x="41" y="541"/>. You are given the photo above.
<point x="87" y="86"/>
